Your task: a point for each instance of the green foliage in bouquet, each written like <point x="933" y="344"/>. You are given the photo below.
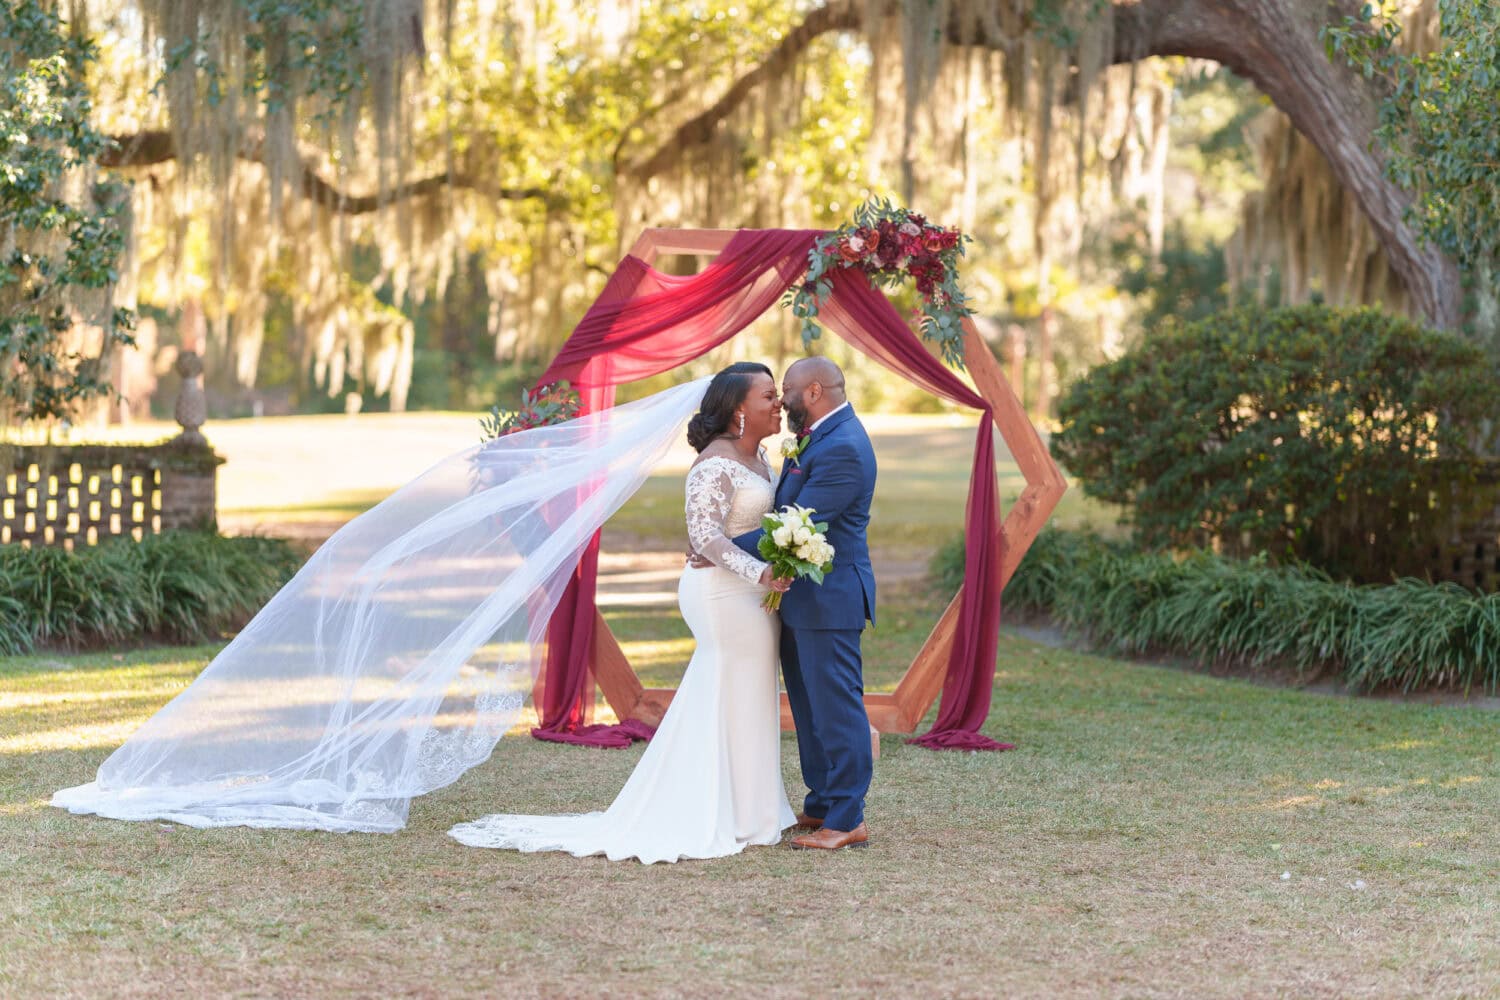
<point x="1348" y="439"/>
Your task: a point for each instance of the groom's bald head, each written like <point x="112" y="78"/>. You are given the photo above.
<point x="810" y="389"/>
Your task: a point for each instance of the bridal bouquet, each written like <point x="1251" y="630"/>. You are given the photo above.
<point x="794" y="546"/>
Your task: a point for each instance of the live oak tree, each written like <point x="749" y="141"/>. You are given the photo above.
<point x="363" y="156"/>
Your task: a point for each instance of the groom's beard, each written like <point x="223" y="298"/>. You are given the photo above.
<point x="796" y="419"/>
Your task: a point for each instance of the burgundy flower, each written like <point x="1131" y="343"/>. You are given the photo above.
<point x="889" y="250"/>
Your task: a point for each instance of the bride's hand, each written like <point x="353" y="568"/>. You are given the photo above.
<point x="778" y="583"/>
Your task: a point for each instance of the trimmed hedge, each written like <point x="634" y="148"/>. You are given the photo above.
<point x="1350" y="439"/>
<point x="180" y="586"/>
<point x="1408" y="635"/>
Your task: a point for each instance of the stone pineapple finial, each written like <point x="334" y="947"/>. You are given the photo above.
<point x="192" y="404"/>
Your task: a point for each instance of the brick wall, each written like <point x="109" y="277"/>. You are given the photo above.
<point x="87" y="493"/>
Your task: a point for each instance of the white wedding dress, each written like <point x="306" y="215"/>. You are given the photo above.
<point x="709" y="783"/>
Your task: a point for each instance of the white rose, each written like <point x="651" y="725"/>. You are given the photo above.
<point x="781" y="536"/>
<point x="805" y="552"/>
<point x="800" y="534"/>
<point x="788" y="447"/>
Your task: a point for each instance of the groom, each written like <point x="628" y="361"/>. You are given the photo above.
<point x="834" y="474"/>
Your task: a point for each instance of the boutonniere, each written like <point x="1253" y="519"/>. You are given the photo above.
<point x="792" y="447"/>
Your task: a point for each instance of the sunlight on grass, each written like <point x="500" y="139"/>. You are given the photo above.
<point x="16" y="700"/>
<point x="76" y="737"/>
<point x="1467" y="779"/>
<point x="1405" y="745"/>
<point x="650" y="655"/>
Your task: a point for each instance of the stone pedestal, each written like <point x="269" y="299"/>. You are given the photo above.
<point x="189" y="489"/>
<point x="189" y="476"/>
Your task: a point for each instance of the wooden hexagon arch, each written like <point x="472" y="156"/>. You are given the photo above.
<point x="901" y="710"/>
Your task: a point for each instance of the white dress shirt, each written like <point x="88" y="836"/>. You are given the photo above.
<point x="841" y="406"/>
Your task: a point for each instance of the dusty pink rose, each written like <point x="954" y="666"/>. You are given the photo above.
<point x="851" y="248"/>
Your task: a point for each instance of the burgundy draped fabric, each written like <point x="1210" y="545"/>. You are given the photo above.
<point x="645" y="323"/>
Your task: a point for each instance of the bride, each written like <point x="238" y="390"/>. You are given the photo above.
<point x="405" y="648"/>
<point x="709" y="783"/>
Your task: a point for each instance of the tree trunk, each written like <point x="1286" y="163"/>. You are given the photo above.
<point x="1275" y="45"/>
<point x="1045" y="374"/>
<point x="150" y="147"/>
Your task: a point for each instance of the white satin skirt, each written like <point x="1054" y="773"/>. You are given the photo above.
<point x="709" y="783"/>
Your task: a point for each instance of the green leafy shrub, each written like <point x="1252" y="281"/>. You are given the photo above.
<point x="61" y="235"/>
<point x="1346" y="439"/>
<point x="1409" y="634"/>
<point x="174" y="587"/>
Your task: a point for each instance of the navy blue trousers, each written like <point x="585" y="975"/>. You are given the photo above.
<point x="825" y="686"/>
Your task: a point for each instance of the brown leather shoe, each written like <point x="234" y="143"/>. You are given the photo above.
<point x="809" y="822"/>
<point x="827" y="839"/>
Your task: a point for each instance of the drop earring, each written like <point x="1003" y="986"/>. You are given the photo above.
<point x="742" y="425"/>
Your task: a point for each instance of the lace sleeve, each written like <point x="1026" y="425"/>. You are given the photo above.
<point x="710" y="489"/>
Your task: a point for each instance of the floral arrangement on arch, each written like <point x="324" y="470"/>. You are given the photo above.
<point x="892" y="245"/>
<point x="540" y="407"/>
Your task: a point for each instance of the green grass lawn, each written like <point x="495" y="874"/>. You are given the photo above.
<point x="1156" y="833"/>
<point x="286" y="470"/>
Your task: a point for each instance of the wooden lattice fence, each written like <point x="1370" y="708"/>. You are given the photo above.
<point x="1472" y="556"/>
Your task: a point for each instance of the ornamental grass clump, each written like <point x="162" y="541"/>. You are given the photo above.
<point x="175" y="587"/>
<point x="1415" y="634"/>
<point x="1406" y="635"/>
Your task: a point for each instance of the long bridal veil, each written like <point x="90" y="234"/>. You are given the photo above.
<point x="398" y="656"/>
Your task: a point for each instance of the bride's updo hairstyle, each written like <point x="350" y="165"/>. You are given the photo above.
<point x="726" y="392"/>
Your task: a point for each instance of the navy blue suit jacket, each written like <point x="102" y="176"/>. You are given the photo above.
<point x="834" y="475"/>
